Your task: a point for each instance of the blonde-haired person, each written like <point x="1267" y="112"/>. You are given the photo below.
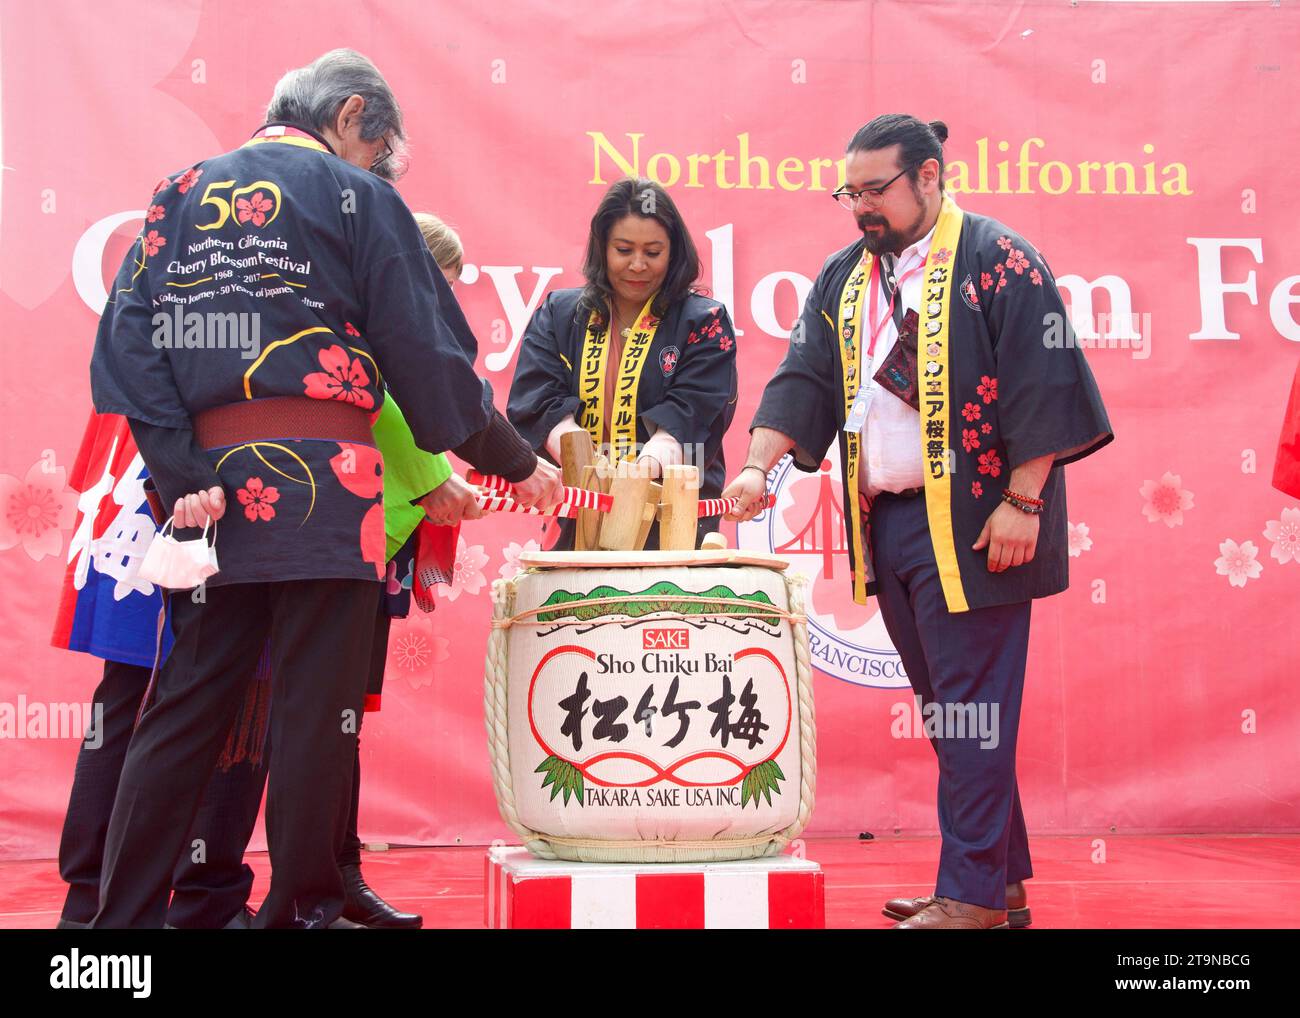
<point x="444" y="244"/>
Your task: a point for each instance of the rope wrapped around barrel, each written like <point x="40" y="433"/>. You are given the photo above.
<point x="547" y="846"/>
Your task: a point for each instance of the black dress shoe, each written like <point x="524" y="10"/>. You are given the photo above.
<point x="363" y="906"/>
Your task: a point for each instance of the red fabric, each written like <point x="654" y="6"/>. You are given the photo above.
<point x="1286" y="472"/>
<point x="435" y="561"/>
<point x="106" y="442"/>
<point x="1137" y="675"/>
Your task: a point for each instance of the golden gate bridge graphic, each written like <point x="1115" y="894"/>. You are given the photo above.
<point x="824" y="533"/>
<point x="848" y="642"/>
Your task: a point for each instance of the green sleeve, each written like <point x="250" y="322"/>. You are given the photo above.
<point x="410" y="473"/>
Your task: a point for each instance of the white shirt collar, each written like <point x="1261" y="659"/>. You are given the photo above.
<point x="918" y="251"/>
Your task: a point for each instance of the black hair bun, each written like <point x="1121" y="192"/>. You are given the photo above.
<point x="940" y="130"/>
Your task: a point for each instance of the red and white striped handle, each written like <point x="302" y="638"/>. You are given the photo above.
<point x="580" y="498"/>
<point x="574" y="498"/>
<point x="722" y="506"/>
<point x="505" y="504"/>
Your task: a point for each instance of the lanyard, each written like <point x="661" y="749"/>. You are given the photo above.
<point x="889" y="311"/>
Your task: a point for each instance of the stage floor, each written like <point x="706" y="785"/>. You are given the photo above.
<point x="1155" y="882"/>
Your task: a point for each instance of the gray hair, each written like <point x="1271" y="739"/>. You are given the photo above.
<point x="311" y="96"/>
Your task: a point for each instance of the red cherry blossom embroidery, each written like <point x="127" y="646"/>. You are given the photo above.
<point x="257" y="500"/>
<point x="970" y="439"/>
<point x="372" y="540"/>
<point x="986" y="427"/>
<point x="152" y="241"/>
<point x="988" y="388"/>
<point x="1001" y="283"/>
<point x="351" y="329"/>
<point x="1035" y="277"/>
<point x="1017" y="261"/>
<point x="1004" y="243"/>
<point x="165" y="182"/>
<point x="725" y="342"/>
<point x="155" y="213"/>
<point x="694" y="337"/>
<point x="253" y="209"/>
<point x="360" y="469"/>
<point x="977" y="489"/>
<point x="188" y="179"/>
<point x="971" y="411"/>
<point x="343" y="378"/>
<point x="941" y="256"/>
<point x="990" y="463"/>
<point x="711" y="329"/>
<point x="986" y="280"/>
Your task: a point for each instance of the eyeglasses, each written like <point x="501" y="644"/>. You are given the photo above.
<point x="874" y="195"/>
<point x="379" y="162"/>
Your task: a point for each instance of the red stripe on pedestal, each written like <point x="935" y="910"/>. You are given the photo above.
<point x="543" y="904"/>
<point x="796" y="901"/>
<point x="670" y="901"/>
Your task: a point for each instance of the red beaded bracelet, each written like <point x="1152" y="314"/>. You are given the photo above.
<point x="1023" y="498"/>
<point x="1013" y="500"/>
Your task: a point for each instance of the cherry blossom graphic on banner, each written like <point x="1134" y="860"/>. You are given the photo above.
<point x="36" y="510"/>
<point x="846" y="640"/>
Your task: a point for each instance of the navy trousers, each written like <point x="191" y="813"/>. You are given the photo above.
<point x="976" y="659"/>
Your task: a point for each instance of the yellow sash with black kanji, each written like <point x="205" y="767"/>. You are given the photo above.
<point x="935" y="388"/>
<point x="591" y="383"/>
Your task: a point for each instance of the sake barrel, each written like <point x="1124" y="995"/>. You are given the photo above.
<point x="651" y="706"/>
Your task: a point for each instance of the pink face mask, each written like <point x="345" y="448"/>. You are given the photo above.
<point x="180" y="565"/>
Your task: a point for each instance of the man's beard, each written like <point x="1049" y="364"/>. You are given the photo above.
<point x="890" y="241"/>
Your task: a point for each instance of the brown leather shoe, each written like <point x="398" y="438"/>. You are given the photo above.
<point x="899" y="909"/>
<point x="1018" y="915"/>
<point x="947" y="914"/>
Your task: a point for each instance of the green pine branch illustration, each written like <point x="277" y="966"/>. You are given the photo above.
<point x="662" y="592"/>
<point x="762" y="779"/>
<point x="563" y="777"/>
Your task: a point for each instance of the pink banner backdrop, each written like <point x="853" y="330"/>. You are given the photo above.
<point x="1145" y="148"/>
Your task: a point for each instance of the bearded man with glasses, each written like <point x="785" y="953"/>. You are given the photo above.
<point x="925" y="349"/>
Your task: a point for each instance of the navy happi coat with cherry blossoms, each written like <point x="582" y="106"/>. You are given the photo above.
<point x="323" y="287"/>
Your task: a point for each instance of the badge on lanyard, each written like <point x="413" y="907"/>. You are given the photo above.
<point x="857" y="418"/>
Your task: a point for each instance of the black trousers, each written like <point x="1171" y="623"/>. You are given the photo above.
<point x="320" y="631"/>
<point x="210" y="881"/>
<point x="350" y="855"/>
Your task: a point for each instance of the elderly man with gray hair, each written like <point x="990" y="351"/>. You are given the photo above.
<point x="297" y="236"/>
